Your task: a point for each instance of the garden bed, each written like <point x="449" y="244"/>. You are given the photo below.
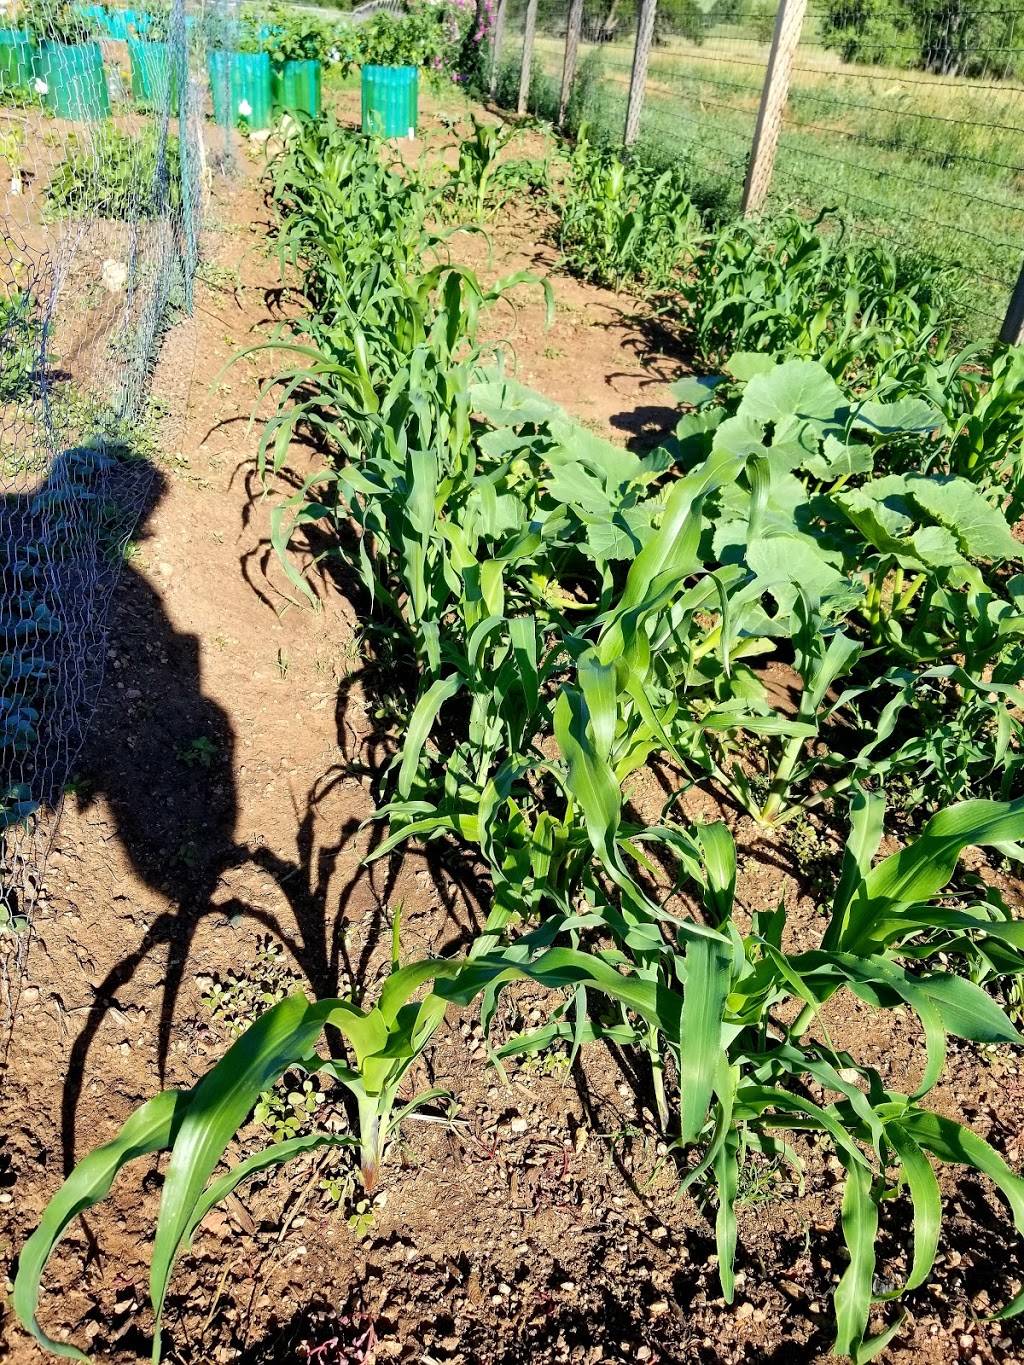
<point x="220" y="809"/>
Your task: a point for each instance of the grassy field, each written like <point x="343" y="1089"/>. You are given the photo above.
<point x="934" y="162"/>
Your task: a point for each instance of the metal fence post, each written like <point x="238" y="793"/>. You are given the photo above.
<point x="524" y="74"/>
<point x="638" y="79"/>
<point x="788" y="23"/>
<point x="496" y="40"/>
<point x="572" y="47"/>
<point x="1013" y="324"/>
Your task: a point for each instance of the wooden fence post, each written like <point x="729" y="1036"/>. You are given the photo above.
<point x="496" y="40"/>
<point x="524" y="74"/>
<point x="1013" y="324"/>
<point x="572" y="47"/>
<point x="788" y="23"/>
<point x="638" y="79"/>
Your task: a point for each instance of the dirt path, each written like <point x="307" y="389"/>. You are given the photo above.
<point x="220" y="806"/>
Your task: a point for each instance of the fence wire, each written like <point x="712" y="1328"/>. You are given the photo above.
<point x="906" y="119"/>
<point x="103" y="160"/>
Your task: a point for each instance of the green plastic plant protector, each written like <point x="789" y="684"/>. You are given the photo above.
<point x="16" y="67"/>
<point x="297" y="86"/>
<point x="240" y="86"/>
<point x="74" y="79"/>
<point x="153" y="81"/>
<point x="390" y="100"/>
<point x="119" y="22"/>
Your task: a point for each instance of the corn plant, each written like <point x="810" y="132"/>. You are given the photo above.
<point x="747" y="1082"/>
<point x="477" y="186"/>
<point x="622" y="224"/>
<point x="343" y="210"/>
<point x="791" y="287"/>
<point x="712" y="1003"/>
<point x="573" y="610"/>
<point x="980" y="395"/>
<point x="196" y="1125"/>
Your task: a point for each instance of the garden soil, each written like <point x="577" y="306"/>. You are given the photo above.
<point x="212" y="854"/>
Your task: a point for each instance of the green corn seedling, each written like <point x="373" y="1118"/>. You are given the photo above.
<point x="196" y="1126"/>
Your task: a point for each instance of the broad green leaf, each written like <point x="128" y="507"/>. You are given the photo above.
<point x="793" y="392"/>
<point x="980" y="529"/>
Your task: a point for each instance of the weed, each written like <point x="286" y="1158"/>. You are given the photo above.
<point x="240" y="998"/>
<point x="200" y="752"/>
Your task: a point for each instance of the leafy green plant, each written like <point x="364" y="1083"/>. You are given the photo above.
<point x="713" y="1003"/>
<point x="749" y="1083"/>
<point x="286" y="1115"/>
<point x="286" y="34"/>
<point x="154" y="26"/>
<point x="430" y="36"/>
<point x="871" y="580"/>
<point x="19" y="346"/>
<point x="200" y="752"/>
<point x="117" y="175"/>
<point x="197" y="1125"/>
<point x="980" y="394"/>
<point x="56" y="21"/>
<point x="477" y="182"/>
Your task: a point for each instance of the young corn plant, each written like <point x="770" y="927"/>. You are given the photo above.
<point x="478" y="185"/>
<point x="195" y="1126"/>
<point x="794" y="288"/>
<point x="624" y="225"/>
<point x="748" y="1082"/>
<point x="980" y="394"/>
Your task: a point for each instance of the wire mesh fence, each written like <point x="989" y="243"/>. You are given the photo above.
<point x="103" y="159"/>
<point x="906" y="118"/>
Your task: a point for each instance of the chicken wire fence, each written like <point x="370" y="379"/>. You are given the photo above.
<point x="103" y="161"/>
<point x="904" y="116"/>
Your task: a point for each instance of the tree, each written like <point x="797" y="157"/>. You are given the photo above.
<point x="948" y="37"/>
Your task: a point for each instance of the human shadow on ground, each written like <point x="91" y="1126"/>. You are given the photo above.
<point x="162" y="754"/>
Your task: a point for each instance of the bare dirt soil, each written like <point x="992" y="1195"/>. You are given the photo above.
<point x="221" y="808"/>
